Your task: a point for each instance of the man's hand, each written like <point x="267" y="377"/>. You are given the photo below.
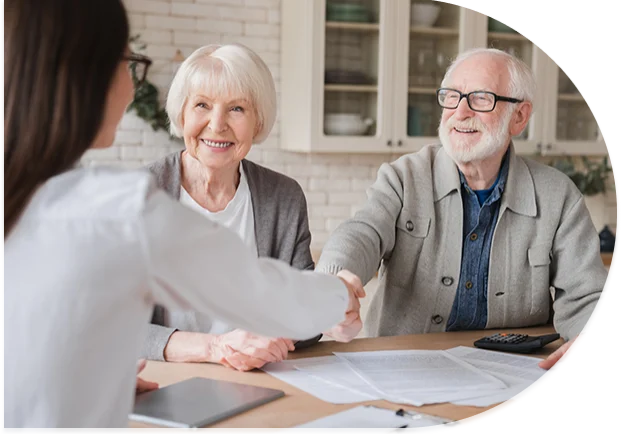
<point x="143" y="385"/>
<point x="244" y="351"/>
<point x="555" y="356"/>
<point x="349" y="328"/>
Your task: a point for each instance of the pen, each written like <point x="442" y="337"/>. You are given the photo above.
<point x="415" y="416"/>
<point x="398" y="430"/>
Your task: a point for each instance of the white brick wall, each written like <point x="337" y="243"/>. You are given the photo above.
<point x="334" y="184"/>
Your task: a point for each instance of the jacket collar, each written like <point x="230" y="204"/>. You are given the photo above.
<point x="519" y="191"/>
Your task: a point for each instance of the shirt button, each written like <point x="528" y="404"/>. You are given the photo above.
<point x="473" y="237"/>
<point x="437" y="319"/>
<point x="409" y="225"/>
<point x="447" y="281"/>
<point x="468" y="285"/>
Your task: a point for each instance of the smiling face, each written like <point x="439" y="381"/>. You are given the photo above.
<point x="473" y="136"/>
<point x="218" y="131"/>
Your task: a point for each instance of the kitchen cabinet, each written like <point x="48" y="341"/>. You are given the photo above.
<point x="359" y="76"/>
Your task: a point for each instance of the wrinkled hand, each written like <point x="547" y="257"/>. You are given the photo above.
<point x="244" y="351"/>
<point x="555" y="356"/>
<point x="143" y="385"/>
<point x="349" y="328"/>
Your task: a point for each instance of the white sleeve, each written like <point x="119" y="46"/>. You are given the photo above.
<point x="196" y="264"/>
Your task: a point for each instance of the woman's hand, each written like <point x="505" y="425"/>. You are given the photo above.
<point x="143" y="385"/>
<point x="244" y="351"/>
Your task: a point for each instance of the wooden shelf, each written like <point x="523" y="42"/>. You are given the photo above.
<point x="501" y="36"/>
<point x="607" y="259"/>
<point x="343" y="25"/>
<point x="434" y="31"/>
<point x="351" y="88"/>
<point x="422" y="90"/>
<point x="570" y="97"/>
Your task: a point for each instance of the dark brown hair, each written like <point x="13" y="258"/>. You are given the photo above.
<point x="60" y="57"/>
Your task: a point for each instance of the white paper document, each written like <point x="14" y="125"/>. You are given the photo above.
<point x="373" y="417"/>
<point x="518" y="372"/>
<point x="461" y="375"/>
<point x="403" y="371"/>
<point x="521" y="367"/>
<point x="335" y="371"/>
<point x="313" y="385"/>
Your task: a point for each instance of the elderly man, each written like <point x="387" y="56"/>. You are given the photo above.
<point x="468" y="235"/>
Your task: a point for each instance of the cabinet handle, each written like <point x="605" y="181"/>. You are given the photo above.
<point x="400" y="143"/>
<point x="549" y="147"/>
<point x="539" y="147"/>
<point x="389" y="143"/>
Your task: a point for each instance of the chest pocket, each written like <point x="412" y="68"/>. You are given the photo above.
<point x="413" y="225"/>
<point x="539" y="256"/>
<point x="539" y="261"/>
<point x="410" y="236"/>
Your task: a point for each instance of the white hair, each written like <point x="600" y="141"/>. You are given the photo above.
<point x="228" y="71"/>
<point x="522" y="83"/>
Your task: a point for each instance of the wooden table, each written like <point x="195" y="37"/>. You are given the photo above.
<point x="298" y="407"/>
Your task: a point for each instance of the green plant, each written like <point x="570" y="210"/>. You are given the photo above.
<point x="590" y="179"/>
<point x="146" y="97"/>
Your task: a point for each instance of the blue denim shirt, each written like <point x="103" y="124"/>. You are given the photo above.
<point x="470" y="306"/>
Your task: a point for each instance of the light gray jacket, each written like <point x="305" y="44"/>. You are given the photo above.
<point x="281" y="231"/>
<point x="411" y="228"/>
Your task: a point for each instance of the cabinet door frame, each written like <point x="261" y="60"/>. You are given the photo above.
<point x="470" y="36"/>
<point x="551" y="146"/>
<point x="319" y="141"/>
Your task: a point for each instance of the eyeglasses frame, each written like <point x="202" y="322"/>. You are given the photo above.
<point x="139" y="58"/>
<point x="467" y="96"/>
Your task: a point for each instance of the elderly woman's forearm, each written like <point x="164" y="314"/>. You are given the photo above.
<point x="190" y="347"/>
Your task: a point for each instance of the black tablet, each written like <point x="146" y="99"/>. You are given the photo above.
<point x="198" y="402"/>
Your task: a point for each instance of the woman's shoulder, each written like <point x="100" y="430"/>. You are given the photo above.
<point x="169" y="164"/>
<point x="98" y="192"/>
<point x="269" y="181"/>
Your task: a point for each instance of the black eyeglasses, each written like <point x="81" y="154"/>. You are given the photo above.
<point x="478" y="101"/>
<point x="138" y="65"/>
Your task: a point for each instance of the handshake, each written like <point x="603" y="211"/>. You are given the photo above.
<point x="349" y="328"/>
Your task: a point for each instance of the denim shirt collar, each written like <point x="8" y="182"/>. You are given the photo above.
<point x="500" y="182"/>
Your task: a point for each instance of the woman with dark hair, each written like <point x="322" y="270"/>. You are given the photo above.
<point x="89" y="251"/>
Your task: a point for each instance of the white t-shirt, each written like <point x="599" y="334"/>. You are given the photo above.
<point x="237" y="216"/>
<point x="93" y="252"/>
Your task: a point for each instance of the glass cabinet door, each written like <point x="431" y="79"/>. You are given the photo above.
<point x="570" y="127"/>
<point x="504" y="38"/>
<point x="433" y="44"/>
<point x="574" y="120"/>
<point x="351" y="67"/>
<point x="430" y="35"/>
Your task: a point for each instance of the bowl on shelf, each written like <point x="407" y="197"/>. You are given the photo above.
<point x="346" y="124"/>
<point x="496" y="26"/>
<point x="349" y="12"/>
<point x="424" y="14"/>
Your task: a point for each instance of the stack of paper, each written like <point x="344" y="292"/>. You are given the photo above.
<point x="461" y="375"/>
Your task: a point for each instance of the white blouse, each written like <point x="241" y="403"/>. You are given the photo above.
<point x="93" y="252"/>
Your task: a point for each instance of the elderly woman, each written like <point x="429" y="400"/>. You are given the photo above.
<point x="221" y="101"/>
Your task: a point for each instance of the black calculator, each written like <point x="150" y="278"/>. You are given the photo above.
<point x="515" y="343"/>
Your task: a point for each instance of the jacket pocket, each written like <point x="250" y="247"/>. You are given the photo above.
<point x="539" y="256"/>
<point x="539" y="261"/>
<point x="411" y="235"/>
<point x="413" y="225"/>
